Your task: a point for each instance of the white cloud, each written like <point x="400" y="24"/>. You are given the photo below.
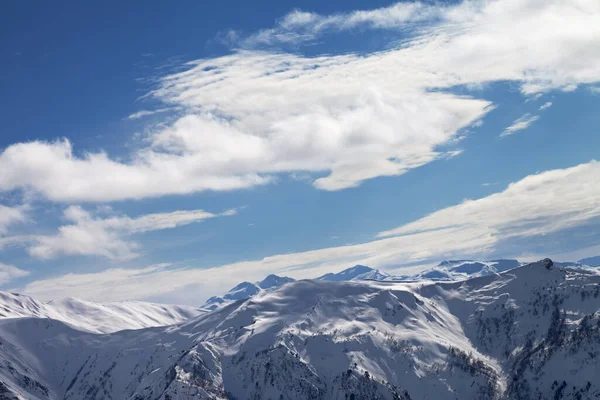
<point x="521" y="123"/>
<point x="544" y="203"/>
<point x="538" y="204"/>
<point x="146" y="113"/>
<point x="10" y="272"/>
<point x="479" y="40"/>
<point x="299" y="26"/>
<point x="546" y="105"/>
<point x="9" y="216"/>
<point x="251" y="115"/>
<point x="107" y="237"/>
<point x="53" y="170"/>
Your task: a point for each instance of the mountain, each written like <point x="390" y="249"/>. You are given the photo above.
<point x="96" y="317"/>
<point x="532" y="332"/>
<point x="272" y="281"/>
<point x="449" y="270"/>
<point x="358" y="272"/>
<point x="245" y="290"/>
<point x="456" y="270"/>
<point x="591" y="261"/>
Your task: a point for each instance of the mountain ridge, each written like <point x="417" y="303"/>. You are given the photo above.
<point x="96" y="317"/>
<point x="447" y="270"/>
<point x="526" y="333"/>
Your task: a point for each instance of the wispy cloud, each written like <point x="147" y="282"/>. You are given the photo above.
<point x="546" y="105"/>
<point x="147" y="113"/>
<point x="11" y="215"/>
<point x="86" y="234"/>
<point x="10" y="272"/>
<point x="544" y="203"/>
<point x="251" y="115"/>
<point x="300" y="26"/>
<point x="520" y="124"/>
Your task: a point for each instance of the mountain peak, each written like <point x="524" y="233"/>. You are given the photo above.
<point x="274" y="281"/>
<point x="242" y="291"/>
<point x="347" y="274"/>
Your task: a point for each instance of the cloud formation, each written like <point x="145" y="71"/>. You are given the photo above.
<point x="9" y="216"/>
<point x="10" y="272"/>
<point x="87" y="234"/>
<point x="540" y="204"/>
<point x="521" y="123"/>
<point x="300" y="26"/>
<point x="248" y="116"/>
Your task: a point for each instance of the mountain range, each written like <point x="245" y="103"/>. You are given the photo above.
<point x="447" y="270"/>
<point x="531" y="331"/>
<point x="95" y="317"/>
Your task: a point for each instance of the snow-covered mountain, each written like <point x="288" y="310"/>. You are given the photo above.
<point x="456" y="270"/>
<point x="450" y="270"/>
<point x="96" y="317"/>
<point x="528" y="333"/>
<point x="272" y="281"/>
<point x="244" y="291"/>
<point x="356" y="273"/>
<point x="445" y="271"/>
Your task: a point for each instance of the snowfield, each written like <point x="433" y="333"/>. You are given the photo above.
<point x="531" y="332"/>
<point x="96" y="317"/>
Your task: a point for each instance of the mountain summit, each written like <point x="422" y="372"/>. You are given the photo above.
<point x="358" y="272"/>
<point x="246" y="290"/>
<point x="273" y="280"/>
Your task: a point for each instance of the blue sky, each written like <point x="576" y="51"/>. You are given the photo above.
<point x="166" y="153"/>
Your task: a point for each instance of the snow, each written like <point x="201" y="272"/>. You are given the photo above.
<point x="273" y="280"/>
<point x="245" y="290"/>
<point x="356" y="272"/>
<point x="95" y="317"/>
<point x="527" y="333"/>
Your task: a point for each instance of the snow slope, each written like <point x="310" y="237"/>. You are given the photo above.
<point x="529" y="333"/>
<point x="358" y="272"/>
<point x="96" y="317"/>
<point x="450" y="270"/>
<point x="245" y="290"/>
<point x="456" y="270"/>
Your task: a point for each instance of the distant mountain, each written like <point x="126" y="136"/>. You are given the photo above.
<point x="245" y="290"/>
<point x="456" y="270"/>
<point x="272" y="281"/>
<point x="449" y="270"/>
<point x="591" y="261"/>
<point x="530" y="333"/>
<point x="445" y="271"/>
<point x="96" y="317"/>
<point x="358" y="272"/>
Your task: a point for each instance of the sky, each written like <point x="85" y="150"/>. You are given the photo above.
<point x="166" y="153"/>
